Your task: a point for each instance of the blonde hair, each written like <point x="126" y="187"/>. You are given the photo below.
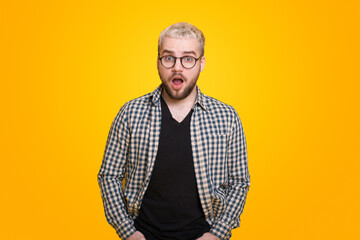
<point x="183" y="30"/>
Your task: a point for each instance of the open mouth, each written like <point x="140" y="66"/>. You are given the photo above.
<point x="177" y="81"/>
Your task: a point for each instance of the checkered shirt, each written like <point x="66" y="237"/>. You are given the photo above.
<point x="219" y="155"/>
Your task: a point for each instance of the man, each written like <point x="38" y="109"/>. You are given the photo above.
<point x="182" y="154"/>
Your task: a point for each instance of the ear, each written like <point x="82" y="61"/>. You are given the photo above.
<point x="202" y="63"/>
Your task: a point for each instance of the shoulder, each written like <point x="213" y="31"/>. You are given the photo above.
<point x="223" y="116"/>
<point x="142" y="103"/>
<point x="217" y="107"/>
<point x="135" y="108"/>
<point x="219" y="115"/>
<point x="138" y="103"/>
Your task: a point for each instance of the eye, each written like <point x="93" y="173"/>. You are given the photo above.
<point x="188" y="59"/>
<point x="169" y="58"/>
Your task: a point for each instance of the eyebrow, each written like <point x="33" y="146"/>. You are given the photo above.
<point x="190" y="52"/>
<point x="172" y="52"/>
<point x="167" y="51"/>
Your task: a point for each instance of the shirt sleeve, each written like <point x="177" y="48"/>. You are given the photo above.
<point x="239" y="182"/>
<point x="111" y="174"/>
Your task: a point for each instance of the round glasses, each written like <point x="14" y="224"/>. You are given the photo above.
<point x="168" y="61"/>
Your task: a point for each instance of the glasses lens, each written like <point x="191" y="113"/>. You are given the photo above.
<point x="188" y="61"/>
<point x="167" y="61"/>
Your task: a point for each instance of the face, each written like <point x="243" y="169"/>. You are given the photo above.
<point x="180" y="82"/>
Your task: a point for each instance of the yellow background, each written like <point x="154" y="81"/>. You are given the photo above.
<point x="290" y="68"/>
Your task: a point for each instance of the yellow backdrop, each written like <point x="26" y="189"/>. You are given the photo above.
<point x="290" y="68"/>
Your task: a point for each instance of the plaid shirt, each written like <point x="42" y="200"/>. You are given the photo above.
<point x="219" y="155"/>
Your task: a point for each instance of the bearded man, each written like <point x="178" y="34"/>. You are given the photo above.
<point x="180" y="153"/>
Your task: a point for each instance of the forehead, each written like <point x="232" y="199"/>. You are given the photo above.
<point x="180" y="46"/>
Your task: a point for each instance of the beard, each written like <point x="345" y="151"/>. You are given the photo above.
<point x="185" y="92"/>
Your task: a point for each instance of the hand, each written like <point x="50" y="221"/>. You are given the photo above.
<point x="137" y="236"/>
<point x="208" y="236"/>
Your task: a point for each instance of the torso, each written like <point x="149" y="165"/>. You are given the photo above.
<point x="171" y="207"/>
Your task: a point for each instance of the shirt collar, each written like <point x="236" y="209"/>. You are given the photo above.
<point x="200" y="99"/>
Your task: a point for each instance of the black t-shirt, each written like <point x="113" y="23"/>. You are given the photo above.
<point x="171" y="208"/>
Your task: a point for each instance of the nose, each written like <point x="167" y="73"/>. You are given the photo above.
<point x="177" y="67"/>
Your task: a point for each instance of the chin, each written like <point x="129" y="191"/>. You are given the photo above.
<point x="177" y="95"/>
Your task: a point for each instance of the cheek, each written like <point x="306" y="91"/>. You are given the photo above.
<point x="163" y="74"/>
<point x="195" y="71"/>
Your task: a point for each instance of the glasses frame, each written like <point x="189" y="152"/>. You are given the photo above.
<point x="181" y="61"/>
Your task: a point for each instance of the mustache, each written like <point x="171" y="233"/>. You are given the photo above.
<point x="177" y="75"/>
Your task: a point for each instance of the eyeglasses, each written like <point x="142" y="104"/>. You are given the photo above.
<point x="168" y="61"/>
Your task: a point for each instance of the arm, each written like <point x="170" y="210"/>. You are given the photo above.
<point x="239" y="182"/>
<point x="111" y="174"/>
